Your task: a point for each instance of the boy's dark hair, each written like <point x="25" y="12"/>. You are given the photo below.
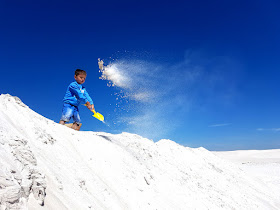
<point x="80" y="71"/>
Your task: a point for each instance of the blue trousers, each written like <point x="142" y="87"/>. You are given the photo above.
<point x="69" y="111"/>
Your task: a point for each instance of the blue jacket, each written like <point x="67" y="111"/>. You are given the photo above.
<point x="76" y="94"/>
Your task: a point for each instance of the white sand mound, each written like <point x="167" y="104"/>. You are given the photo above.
<point x="67" y="169"/>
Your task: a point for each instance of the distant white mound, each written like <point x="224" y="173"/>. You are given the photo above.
<point x="67" y="169"/>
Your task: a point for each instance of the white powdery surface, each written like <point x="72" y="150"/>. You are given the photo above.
<point x="95" y="170"/>
<point x="261" y="164"/>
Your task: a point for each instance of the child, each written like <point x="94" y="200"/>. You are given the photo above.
<point x="75" y="94"/>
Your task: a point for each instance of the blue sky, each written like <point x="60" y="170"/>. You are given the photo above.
<point x="209" y="69"/>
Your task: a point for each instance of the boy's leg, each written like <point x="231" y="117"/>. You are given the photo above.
<point x="67" y="113"/>
<point x="76" y="119"/>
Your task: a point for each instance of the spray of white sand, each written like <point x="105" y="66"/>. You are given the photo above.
<point x="155" y="94"/>
<point x="136" y="78"/>
<point x="140" y="90"/>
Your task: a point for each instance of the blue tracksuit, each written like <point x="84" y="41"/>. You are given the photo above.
<point x="74" y="95"/>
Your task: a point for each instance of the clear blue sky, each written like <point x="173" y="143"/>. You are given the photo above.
<point x="213" y="65"/>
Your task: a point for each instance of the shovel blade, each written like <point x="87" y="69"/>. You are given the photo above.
<point x="98" y="116"/>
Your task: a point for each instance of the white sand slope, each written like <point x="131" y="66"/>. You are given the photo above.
<point x="42" y="162"/>
<point x="261" y="164"/>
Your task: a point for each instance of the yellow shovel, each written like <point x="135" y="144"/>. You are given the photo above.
<point x="97" y="115"/>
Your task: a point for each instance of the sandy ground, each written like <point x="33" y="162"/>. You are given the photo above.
<point x="261" y="164"/>
<point x="42" y="162"/>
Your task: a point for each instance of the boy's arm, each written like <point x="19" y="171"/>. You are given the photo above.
<point x="74" y="88"/>
<point x="89" y="103"/>
<point x="88" y="97"/>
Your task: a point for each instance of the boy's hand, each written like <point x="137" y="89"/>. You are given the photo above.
<point x="90" y="107"/>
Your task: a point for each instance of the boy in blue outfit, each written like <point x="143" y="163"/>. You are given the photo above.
<point x="75" y="94"/>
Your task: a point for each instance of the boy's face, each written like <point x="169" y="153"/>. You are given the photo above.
<point x="81" y="78"/>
